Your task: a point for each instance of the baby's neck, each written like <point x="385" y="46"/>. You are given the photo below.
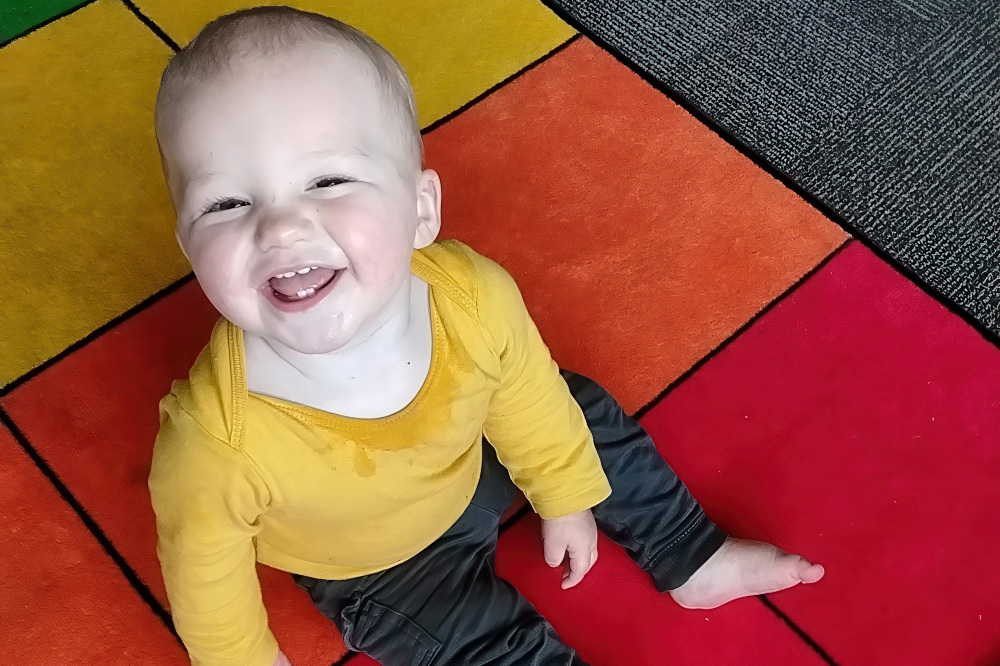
<point x="387" y="341"/>
<point x="354" y="381"/>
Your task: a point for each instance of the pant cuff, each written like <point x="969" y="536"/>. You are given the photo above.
<point x="676" y="564"/>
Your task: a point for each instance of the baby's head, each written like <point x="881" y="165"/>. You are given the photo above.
<point x="290" y="147"/>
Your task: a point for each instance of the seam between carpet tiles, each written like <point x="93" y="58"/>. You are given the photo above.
<point x="47" y="21"/>
<point x="148" y="22"/>
<point x="497" y="86"/>
<point x="95" y="530"/>
<point x="96" y="333"/>
<point x="735" y="334"/>
<point x="810" y="641"/>
<point x="774" y="172"/>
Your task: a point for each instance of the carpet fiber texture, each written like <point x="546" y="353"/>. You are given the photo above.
<point x="885" y="111"/>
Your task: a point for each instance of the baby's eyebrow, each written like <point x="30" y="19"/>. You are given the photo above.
<point x="347" y="153"/>
<point x="352" y="151"/>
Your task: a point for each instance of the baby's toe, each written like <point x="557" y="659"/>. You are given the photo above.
<point x="811" y="573"/>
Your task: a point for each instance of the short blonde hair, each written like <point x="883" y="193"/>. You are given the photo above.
<point x="272" y="31"/>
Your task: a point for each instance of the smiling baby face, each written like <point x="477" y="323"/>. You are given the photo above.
<point x="298" y="204"/>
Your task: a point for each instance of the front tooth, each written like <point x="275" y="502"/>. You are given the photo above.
<point x="301" y="292"/>
<point x="287" y="275"/>
<point x="311" y="291"/>
<point x="303" y="271"/>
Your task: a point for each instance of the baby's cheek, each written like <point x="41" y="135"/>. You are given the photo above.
<point x="387" y="265"/>
<point x="221" y="276"/>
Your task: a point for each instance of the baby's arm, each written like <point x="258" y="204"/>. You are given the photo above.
<point x="533" y="422"/>
<point x="539" y="430"/>
<point x="207" y="498"/>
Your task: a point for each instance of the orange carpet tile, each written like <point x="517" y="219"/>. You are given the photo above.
<point x="62" y="599"/>
<point x="639" y="236"/>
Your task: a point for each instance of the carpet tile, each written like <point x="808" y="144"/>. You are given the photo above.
<point x="642" y="233"/>
<point x="62" y="599"/>
<point x="857" y="423"/>
<point x="87" y="223"/>
<point x="453" y="50"/>
<point x="615" y="617"/>
<point x="19" y="16"/>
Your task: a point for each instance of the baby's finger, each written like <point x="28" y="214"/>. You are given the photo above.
<point x="554" y="550"/>
<point x="579" y="565"/>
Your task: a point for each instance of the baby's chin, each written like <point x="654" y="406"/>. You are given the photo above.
<point x="312" y="347"/>
<point x="310" y="341"/>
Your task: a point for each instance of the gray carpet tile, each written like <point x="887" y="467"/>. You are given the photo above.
<point x="887" y="112"/>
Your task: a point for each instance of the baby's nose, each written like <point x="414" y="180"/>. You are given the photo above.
<point x="282" y="228"/>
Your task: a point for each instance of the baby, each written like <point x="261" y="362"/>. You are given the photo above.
<point x="371" y="396"/>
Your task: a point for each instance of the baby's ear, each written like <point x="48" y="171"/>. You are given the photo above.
<point x="428" y="208"/>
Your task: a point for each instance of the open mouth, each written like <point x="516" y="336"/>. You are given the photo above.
<point x="299" y="290"/>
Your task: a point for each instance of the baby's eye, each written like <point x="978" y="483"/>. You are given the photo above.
<point x="330" y="181"/>
<point x="223" y="204"/>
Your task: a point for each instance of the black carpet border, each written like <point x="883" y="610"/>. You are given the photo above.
<point x="148" y="22"/>
<point x="642" y="411"/>
<point x="96" y="333"/>
<point x="823" y="654"/>
<point x="88" y="521"/>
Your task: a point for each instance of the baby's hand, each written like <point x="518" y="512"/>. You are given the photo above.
<point x="575" y="535"/>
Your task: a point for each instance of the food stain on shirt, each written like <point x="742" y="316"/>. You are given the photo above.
<point x="363" y="463"/>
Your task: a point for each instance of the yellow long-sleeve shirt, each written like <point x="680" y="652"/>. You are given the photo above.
<point x="238" y="477"/>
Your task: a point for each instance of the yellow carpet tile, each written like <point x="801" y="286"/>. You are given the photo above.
<point x="453" y="50"/>
<point x="87" y="226"/>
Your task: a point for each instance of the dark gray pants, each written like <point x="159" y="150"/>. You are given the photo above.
<point x="445" y="606"/>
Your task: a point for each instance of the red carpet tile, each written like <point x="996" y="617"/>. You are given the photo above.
<point x="615" y="617"/>
<point x="858" y="422"/>
<point x="62" y="599"/>
<point x="638" y="233"/>
<point x="93" y="417"/>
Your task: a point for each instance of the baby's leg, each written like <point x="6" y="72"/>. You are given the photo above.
<point x="654" y="517"/>
<point x="445" y="605"/>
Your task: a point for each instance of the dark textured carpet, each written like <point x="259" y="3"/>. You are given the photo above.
<point x="887" y="112"/>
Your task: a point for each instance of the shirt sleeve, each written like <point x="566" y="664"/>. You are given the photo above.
<point x="534" y="423"/>
<point x="207" y="498"/>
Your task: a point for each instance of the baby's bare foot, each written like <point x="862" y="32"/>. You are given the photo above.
<point x="741" y="568"/>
